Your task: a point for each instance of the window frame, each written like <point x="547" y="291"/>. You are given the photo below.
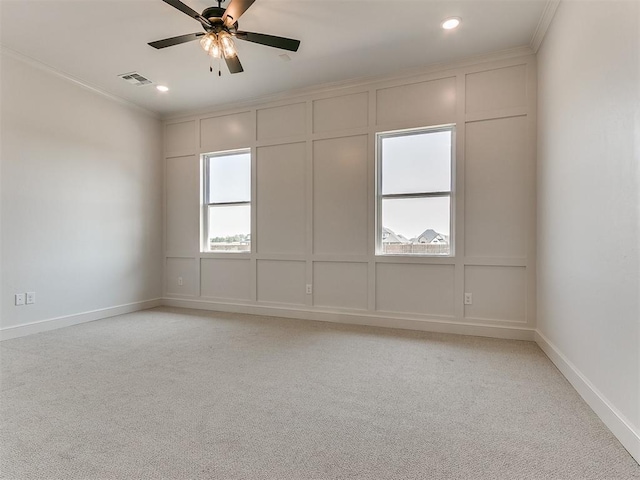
<point x="206" y="202"/>
<point x="380" y="136"/>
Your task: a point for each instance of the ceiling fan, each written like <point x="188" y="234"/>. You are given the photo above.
<point x="220" y="26"/>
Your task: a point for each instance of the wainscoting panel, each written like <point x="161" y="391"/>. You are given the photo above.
<point x="226" y="132"/>
<point x="279" y="122"/>
<point x="425" y="103"/>
<point x="281" y="200"/>
<point x="341" y="113"/>
<point x="499" y="293"/>
<point x="281" y="282"/>
<point x="180" y="138"/>
<point x="180" y="276"/>
<point x="496" y="89"/>
<point x="225" y="278"/>
<point x="411" y="288"/>
<point x="340" y="203"/>
<point x="340" y="285"/>
<point x="496" y="194"/>
<point x="182" y="205"/>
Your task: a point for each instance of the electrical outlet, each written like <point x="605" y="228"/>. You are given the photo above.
<point x="468" y="298"/>
<point x="180" y="282"/>
<point x="31" y="298"/>
<point x="309" y="290"/>
<point x="19" y="299"/>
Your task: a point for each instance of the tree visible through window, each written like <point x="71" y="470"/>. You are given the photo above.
<point x="227" y="201"/>
<point x="414" y="191"/>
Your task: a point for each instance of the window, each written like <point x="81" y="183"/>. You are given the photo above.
<point x="414" y="191"/>
<point x="227" y="201"/>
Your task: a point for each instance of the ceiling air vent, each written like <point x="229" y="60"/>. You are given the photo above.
<point x="134" y="78"/>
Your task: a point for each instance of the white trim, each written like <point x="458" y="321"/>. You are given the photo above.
<point x="380" y="196"/>
<point x="619" y="425"/>
<point x="364" y="318"/>
<point x="360" y="82"/>
<point x="81" y="83"/>
<point x="68" y="320"/>
<point x="543" y="25"/>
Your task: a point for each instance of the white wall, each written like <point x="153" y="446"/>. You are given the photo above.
<point x="313" y="186"/>
<point x="81" y="200"/>
<point x="588" y="206"/>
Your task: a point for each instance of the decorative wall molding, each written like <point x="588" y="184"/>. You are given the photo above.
<point x="75" y="319"/>
<point x="354" y="83"/>
<point x="300" y="312"/>
<point x="70" y="78"/>
<point x="315" y="89"/>
<point x="191" y="135"/>
<point x="628" y="434"/>
<point x="543" y="25"/>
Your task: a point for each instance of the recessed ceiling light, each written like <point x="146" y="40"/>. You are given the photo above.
<point x="451" y="23"/>
<point x="162" y="88"/>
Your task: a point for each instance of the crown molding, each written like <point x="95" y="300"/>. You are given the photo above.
<point x="70" y="78"/>
<point x="543" y="25"/>
<point x="355" y="82"/>
<point x="326" y="87"/>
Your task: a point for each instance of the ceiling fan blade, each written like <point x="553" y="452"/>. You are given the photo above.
<point x="270" y="40"/>
<point x="170" y="42"/>
<point x="234" y="10"/>
<point x="234" y="64"/>
<point x="189" y="11"/>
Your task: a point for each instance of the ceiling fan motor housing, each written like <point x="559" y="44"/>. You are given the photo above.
<point x="214" y="15"/>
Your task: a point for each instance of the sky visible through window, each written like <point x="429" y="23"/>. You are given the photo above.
<point x="229" y="221"/>
<point x="230" y="178"/>
<point x="229" y="181"/>
<point x="416" y="163"/>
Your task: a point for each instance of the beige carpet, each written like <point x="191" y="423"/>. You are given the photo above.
<point x="183" y="394"/>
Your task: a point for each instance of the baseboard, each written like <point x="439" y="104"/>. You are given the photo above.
<point x="426" y="325"/>
<point x="624" y="431"/>
<point x="68" y="320"/>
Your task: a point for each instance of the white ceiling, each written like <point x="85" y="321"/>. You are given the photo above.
<point x="95" y="40"/>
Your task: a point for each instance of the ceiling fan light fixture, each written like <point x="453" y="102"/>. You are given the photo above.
<point x="226" y="42"/>
<point x="211" y="45"/>
<point x="207" y="41"/>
